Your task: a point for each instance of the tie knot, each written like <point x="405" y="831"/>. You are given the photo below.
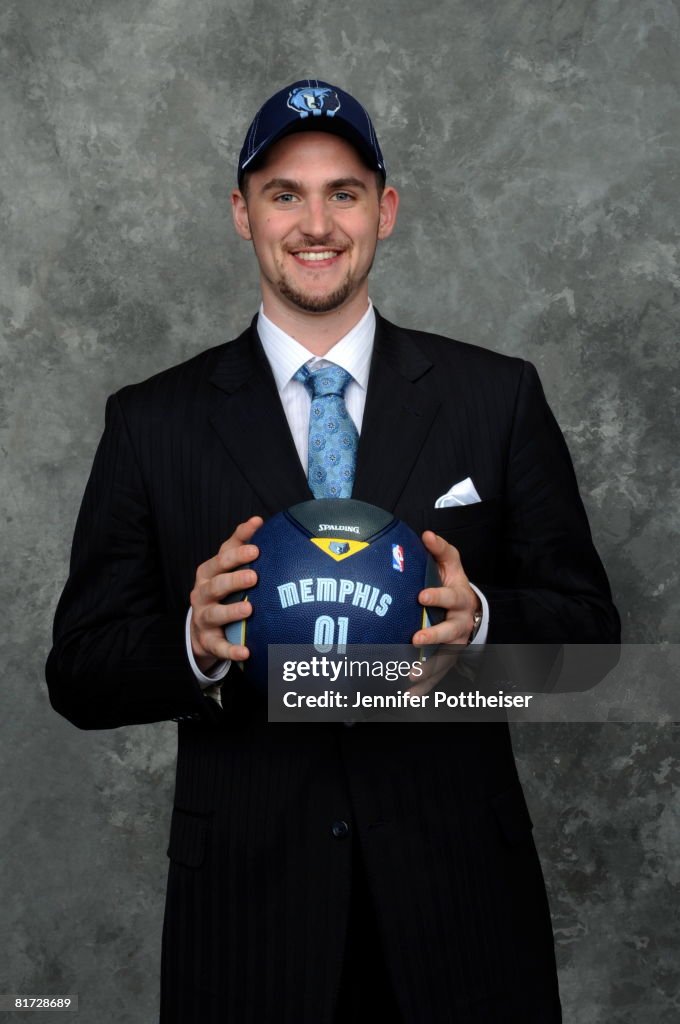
<point x="331" y="380"/>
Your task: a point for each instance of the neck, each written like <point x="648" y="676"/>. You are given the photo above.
<point x="317" y="332"/>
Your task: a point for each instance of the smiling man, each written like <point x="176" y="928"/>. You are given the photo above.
<point x="327" y="875"/>
<point x="315" y="235"/>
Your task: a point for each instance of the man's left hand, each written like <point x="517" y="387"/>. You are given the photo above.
<point x="459" y="600"/>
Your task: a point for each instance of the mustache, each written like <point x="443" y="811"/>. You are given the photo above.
<point x="308" y="242"/>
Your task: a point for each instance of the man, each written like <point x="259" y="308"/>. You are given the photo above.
<point x="324" y="873"/>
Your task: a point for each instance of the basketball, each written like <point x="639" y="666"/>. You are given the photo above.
<point x="332" y="573"/>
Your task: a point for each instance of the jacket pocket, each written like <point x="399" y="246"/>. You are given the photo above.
<point x="512" y="815"/>
<point x="462" y="517"/>
<point x="188" y="838"/>
<point x="475" y="530"/>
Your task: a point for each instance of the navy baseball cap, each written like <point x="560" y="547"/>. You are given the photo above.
<point x="310" y="105"/>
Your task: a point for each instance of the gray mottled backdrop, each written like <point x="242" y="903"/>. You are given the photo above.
<point x="535" y="143"/>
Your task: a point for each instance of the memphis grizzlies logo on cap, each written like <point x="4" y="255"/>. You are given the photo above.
<point x="310" y="104"/>
<point x="315" y="101"/>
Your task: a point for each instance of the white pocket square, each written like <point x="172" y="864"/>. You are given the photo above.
<point x="462" y="493"/>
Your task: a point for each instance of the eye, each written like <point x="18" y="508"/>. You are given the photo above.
<point x="284" y="198"/>
<point x="343" y="197"/>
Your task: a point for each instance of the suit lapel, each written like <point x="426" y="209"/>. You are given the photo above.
<point x="249" y="418"/>
<point x="397" y="419"/>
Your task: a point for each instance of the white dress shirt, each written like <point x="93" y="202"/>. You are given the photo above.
<point x="286" y="355"/>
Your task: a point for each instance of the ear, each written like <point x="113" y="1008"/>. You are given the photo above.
<point x="389" y="204"/>
<point x="239" y="211"/>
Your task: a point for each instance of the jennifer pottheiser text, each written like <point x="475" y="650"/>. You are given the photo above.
<point x="471" y="699"/>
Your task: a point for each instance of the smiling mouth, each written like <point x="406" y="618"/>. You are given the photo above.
<point x="317" y="256"/>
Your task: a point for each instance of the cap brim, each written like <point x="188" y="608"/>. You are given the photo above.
<point x="333" y="126"/>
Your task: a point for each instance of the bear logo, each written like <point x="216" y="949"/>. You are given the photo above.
<point x="305" y="101"/>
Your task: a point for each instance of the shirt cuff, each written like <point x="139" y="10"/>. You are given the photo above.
<point x="482" y="632"/>
<point x="216" y="673"/>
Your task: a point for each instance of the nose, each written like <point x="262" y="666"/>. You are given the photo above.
<point x="316" y="221"/>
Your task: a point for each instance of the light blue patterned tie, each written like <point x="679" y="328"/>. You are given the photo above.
<point x="333" y="438"/>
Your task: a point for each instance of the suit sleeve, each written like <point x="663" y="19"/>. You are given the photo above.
<point x="550" y="585"/>
<point x="118" y="655"/>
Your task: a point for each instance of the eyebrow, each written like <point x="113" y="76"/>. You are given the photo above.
<point x="347" y="183"/>
<point x="289" y="185"/>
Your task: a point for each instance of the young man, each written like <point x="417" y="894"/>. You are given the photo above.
<point x="329" y="874"/>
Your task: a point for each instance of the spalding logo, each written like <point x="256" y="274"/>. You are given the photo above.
<point x="306" y="101"/>
<point x="338" y="529"/>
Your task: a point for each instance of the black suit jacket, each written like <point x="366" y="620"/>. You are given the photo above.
<point x="259" y="882"/>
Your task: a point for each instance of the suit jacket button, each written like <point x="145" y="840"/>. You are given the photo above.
<point x="340" y="829"/>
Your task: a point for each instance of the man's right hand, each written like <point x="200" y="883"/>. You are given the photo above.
<point x="216" y="579"/>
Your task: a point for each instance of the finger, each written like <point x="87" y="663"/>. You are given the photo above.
<point x="421" y="688"/>
<point x="232" y="558"/>
<point x="455" y="629"/>
<point x="236" y="652"/>
<point x="222" y="586"/>
<point x="216" y="644"/>
<point x="231" y="554"/>
<point x="208" y="634"/>
<point x="244" y="531"/>
<point x="445" y="555"/>
<point x="226" y="560"/>
<point x="220" y="615"/>
<point x="217" y="589"/>
<point x="451" y="598"/>
<point x="438" y="547"/>
<point x="432" y="671"/>
<point x="420" y="675"/>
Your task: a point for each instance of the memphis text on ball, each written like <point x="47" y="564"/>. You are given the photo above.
<point x="329" y="590"/>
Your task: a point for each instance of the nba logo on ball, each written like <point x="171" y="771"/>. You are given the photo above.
<point x="332" y="573"/>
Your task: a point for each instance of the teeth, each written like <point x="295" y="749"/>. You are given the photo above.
<point x="315" y="256"/>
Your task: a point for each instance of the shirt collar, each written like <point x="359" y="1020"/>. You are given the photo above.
<point x="286" y="355"/>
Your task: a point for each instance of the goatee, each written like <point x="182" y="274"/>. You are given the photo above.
<point x="316" y="303"/>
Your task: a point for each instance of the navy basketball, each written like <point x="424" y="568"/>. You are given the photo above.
<point x="334" y="572"/>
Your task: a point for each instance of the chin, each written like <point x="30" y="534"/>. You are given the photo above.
<point x="309" y="302"/>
